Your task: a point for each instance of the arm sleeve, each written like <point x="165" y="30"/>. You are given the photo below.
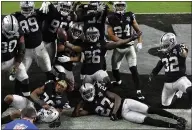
<point x="157" y="68"/>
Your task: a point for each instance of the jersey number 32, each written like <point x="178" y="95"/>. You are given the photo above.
<point x="171" y="64"/>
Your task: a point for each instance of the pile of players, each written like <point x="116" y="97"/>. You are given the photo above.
<point x="59" y="35"/>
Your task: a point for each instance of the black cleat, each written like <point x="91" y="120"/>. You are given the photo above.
<point x="182" y="121"/>
<point x="140" y="96"/>
<point x="180" y="126"/>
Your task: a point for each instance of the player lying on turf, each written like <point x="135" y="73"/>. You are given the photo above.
<point x="48" y="101"/>
<point x="173" y="59"/>
<point x="98" y="100"/>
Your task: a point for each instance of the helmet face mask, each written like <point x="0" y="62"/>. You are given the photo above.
<point x="10" y="26"/>
<point x="64" y="8"/>
<point x="167" y="42"/>
<point x="27" y="8"/>
<point x="93" y="6"/>
<point x="76" y="31"/>
<point x="49" y="115"/>
<point x="119" y="7"/>
<point x="92" y="34"/>
<point x="87" y="92"/>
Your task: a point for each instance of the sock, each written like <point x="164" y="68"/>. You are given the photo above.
<point x="189" y="92"/>
<point x="6" y="119"/>
<point x="135" y="77"/>
<point x="17" y="89"/>
<point x="116" y="75"/>
<point x="25" y="88"/>
<point x="159" y="123"/>
<point x="162" y="112"/>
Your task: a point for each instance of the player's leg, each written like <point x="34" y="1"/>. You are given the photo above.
<point x="43" y="61"/>
<point x="117" y="56"/>
<point x="17" y="102"/>
<point x="51" y="49"/>
<point x="132" y="61"/>
<point x="22" y="77"/>
<point x="134" y="111"/>
<point x="184" y="85"/>
<point x="167" y="95"/>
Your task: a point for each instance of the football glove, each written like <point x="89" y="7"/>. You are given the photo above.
<point x="139" y="46"/>
<point x="101" y="7"/>
<point x="45" y="7"/>
<point x="64" y="59"/>
<point x="113" y="117"/>
<point x="12" y="74"/>
<point x="150" y="80"/>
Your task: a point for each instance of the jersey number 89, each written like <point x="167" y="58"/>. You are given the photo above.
<point x="29" y="25"/>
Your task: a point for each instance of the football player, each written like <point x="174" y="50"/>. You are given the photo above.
<point x="12" y="52"/>
<point x="50" y="97"/>
<point x="66" y="58"/>
<point x="28" y="117"/>
<point x="93" y="14"/>
<point x="30" y="21"/>
<point x="120" y="26"/>
<point x="59" y="16"/>
<point x="173" y="59"/>
<point x="96" y="99"/>
<point x="94" y="54"/>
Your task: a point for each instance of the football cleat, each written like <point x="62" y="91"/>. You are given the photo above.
<point x="66" y="106"/>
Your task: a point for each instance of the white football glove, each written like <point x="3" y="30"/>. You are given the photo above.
<point x="101" y="7"/>
<point x="64" y="59"/>
<point x="45" y="7"/>
<point x="139" y="46"/>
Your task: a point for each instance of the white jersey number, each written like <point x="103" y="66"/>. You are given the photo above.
<point x="29" y="25"/>
<point x="92" y="57"/>
<point x="118" y="30"/>
<point x="171" y="64"/>
<point x="55" y="24"/>
<point x="102" y="111"/>
<point x="46" y="99"/>
<point x="8" y="47"/>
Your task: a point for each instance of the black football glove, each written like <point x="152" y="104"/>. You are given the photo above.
<point x="113" y="117"/>
<point x="55" y="123"/>
<point x="150" y="80"/>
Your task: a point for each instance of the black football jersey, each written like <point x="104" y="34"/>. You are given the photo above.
<point x="97" y="21"/>
<point x="54" y="21"/>
<point x="101" y="104"/>
<point x="121" y="24"/>
<point x="174" y="64"/>
<point x="94" y="59"/>
<point x="9" y="46"/>
<point x="69" y="52"/>
<point x="32" y="28"/>
<point x="50" y="96"/>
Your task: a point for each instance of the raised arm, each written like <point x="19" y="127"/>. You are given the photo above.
<point x="112" y="45"/>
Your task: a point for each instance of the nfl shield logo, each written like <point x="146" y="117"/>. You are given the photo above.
<point x="128" y="19"/>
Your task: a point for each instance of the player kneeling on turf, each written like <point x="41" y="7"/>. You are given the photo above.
<point x="98" y="100"/>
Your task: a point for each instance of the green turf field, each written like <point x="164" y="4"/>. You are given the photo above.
<point x="137" y="7"/>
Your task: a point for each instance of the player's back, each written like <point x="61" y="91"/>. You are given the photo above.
<point x="31" y="26"/>
<point x="20" y="124"/>
<point x="174" y="64"/>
